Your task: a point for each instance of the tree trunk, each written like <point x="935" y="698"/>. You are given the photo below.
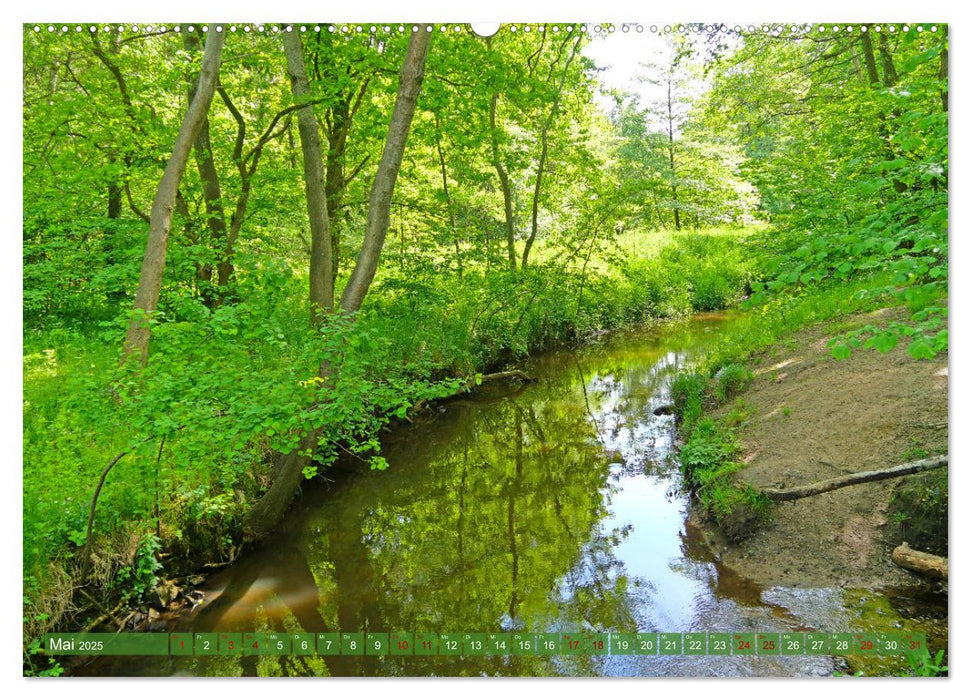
<point x="448" y="196"/>
<point x="153" y="264"/>
<point x="503" y="184"/>
<point x="544" y="135"/>
<point x="942" y="72"/>
<point x="857" y="478"/>
<point x="321" y="254"/>
<point x="674" y="177"/>
<point x="869" y="59"/>
<point x="379" y="203"/>
<point x="209" y="177"/>
<point x="537" y="190"/>
<point x="890" y="77"/>
<point x="114" y="200"/>
<point x="923" y="563"/>
<point x="271" y="507"/>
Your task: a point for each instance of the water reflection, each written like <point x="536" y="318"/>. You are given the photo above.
<point x="554" y="507"/>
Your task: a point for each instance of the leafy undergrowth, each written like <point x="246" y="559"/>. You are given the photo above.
<point x="709" y="456"/>
<point x="710" y="452"/>
<point x="226" y="389"/>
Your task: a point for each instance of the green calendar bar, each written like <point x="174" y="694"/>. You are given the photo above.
<point x="571" y="643"/>
<point x="914" y="642"/>
<point x="277" y="644"/>
<point x="254" y="643"/>
<point x="889" y="644"/>
<point x="488" y="644"/>
<point x="645" y="643"/>
<point x="107" y="644"/>
<point x="817" y="643"/>
<point x="352" y="644"/>
<point x="793" y="643"/>
<point x="230" y="644"/>
<point x="547" y="644"/>
<point x="768" y="643"/>
<point x="474" y="644"/>
<point x="500" y="644"/>
<point x="206" y="643"/>
<point x="840" y="644"/>
<point x="450" y="644"/>
<point x="866" y="644"/>
<point x="669" y="643"/>
<point x="180" y="644"/>
<point x="743" y="644"/>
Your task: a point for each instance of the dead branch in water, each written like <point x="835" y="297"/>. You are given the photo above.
<point x="856" y="478"/>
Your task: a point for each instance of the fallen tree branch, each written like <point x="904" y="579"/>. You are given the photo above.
<point x="105" y="614"/>
<point x="511" y="374"/>
<point x="856" y="478"/>
<point x="470" y="383"/>
<point x="923" y="563"/>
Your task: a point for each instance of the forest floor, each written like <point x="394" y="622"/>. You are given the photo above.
<point x="814" y="418"/>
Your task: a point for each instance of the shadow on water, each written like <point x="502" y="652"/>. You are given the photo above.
<point x="553" y="507"/>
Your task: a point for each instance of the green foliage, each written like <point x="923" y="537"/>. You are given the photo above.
<point x="708" y="462"/>
<point x="732" y="379"/>
<point x="919" y="509"/>
<point x="857" y="183"/>
<point x="138" y="579"/>
<point x="852" y="174"/>
<point x="687" y="394"/>
<point x="922" y="664"/>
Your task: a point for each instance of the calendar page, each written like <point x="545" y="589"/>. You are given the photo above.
<point x="513" y="349"/>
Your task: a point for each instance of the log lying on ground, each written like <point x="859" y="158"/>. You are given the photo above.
<point x="857" y="478"/>
<point x="923" y="563"/>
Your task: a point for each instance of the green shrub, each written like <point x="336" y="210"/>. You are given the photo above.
<point x="687" y="395"/>
<point x="732" y="380"/>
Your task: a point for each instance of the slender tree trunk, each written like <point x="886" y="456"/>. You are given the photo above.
<point x="379" y="203"/>
<point x="153" y="264"/>
<point x="537" y="189"/>
<point x="335" y="185"/>
<point x="674" y="175"/>
<point x="448" y="197"/>
<point x="869" y="59"/>
<point x="114" y="200"/>
<point x="503" y="184"/>
<point x="942" y="72"/>
<point x="889" y="80"/>
<point x="321" y="255"/>
<point x="271" y="507"/>
<point x="890" y="77"/>
<point x="544" y="135"/>
<point x="211" y="190"/>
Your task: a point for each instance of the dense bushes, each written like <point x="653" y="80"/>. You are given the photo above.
<point x="225" y="388"/>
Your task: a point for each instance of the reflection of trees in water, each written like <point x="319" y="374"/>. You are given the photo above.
<point x="475" y="532"/>
<point x="489" y="518"/>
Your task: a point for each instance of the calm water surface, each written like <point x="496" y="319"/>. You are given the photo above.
<point x="552" y="507"/>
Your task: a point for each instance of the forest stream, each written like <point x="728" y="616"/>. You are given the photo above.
<point x="550" y="507"/>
